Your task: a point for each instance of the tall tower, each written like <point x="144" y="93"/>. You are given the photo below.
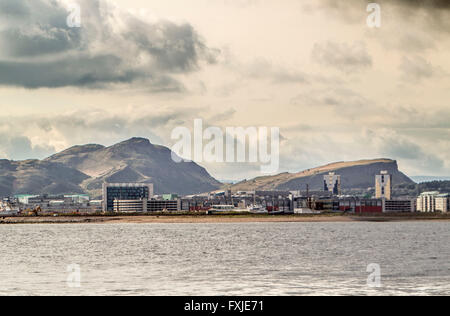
<point x="332" y="183"/>
<point x="383" y="186"/>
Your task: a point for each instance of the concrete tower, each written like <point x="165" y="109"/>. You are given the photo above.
<point x="332" y="183"/>
<point x="383" y="186"/>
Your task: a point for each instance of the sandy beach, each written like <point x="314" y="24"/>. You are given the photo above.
<point x="173" y="219"/>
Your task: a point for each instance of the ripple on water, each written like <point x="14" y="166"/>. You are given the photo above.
<point x="226" y="259"/>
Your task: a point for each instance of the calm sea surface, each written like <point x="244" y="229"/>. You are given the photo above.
<point x="226" y="259"/>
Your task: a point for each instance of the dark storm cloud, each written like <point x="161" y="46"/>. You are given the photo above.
<point x="40" y="50"/>
<point x="429" y="4"/>
<point x="437" y="4"/>
<point x="433" y="12"/>
<point x="179" y="49"/>
<point x="406" y="25"/>
<point x="33" y="28"/>
<point x="81" y="71"/>
<point x="45" y="40"/>
<point x="13" y="8"/>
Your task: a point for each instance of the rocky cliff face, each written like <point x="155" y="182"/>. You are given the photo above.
<point x="83" y="169"/>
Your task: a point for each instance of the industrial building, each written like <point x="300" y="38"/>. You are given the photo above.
<point x="130" y="196"/>
<point x="286" y="201"/>
<point x="73" y="203"/>
<point x="399" y="206"/>
<point x="25" y="198"/>
<point x="362" y="205"/>
<point x="359" y="206"/>
<point x="30" y="199"/>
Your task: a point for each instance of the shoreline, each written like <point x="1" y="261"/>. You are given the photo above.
<point x="205" y="219"/>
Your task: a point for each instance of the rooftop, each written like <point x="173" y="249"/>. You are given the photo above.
<point x="430" y="193"/>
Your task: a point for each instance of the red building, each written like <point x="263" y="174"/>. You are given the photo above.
<point x="360" y="206"/>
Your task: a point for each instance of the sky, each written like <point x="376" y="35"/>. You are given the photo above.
<point x="337" y="89"/>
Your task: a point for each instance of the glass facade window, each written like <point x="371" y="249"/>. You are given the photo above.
<point x="125" y="193"/>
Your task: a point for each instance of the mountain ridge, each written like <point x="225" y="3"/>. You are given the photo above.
<point x="84" y="168"/>
<point x="358" y="174"/>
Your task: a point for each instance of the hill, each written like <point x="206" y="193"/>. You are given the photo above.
<point x="38" y="177"/>
<point x="83" y="169"/>
<point x="422" y="179"/>
<point x="354" y="175"/>
<point x="441" y="186"/>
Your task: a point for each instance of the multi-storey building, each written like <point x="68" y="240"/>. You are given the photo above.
<point x="442" y="202"/>
<point x="332" y="183"/>
<point x="383" y="186"/>
<point x="143" y="206"/>
<point x="399" y="206"/>
<point x="426" y="202"/>
<point x="125" y="192"/>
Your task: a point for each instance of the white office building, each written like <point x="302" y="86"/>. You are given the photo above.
<point x="426" y="202"/>
<point x="442" y="203"/>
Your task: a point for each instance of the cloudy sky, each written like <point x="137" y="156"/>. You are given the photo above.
<point x="337" y="89"/>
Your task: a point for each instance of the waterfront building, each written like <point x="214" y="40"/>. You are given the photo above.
<point x="358" y="205"/>
<point x="164" y="205"/>
<point x="57" y="203"/>
<point x="129" y="206"/>
<point x="399" y="206"/>
<point x="426" y="202"/>
<point x="144" y="206"/>
<point x="383" y="186"/>
<point x="125" y="192"/>
<point x="442" y="202"/>
<point x="25" y="198"/>
<point x="77" y="198"/>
